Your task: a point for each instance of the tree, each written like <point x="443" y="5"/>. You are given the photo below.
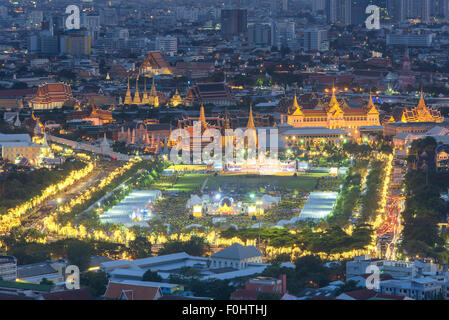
<point x="281" y="258"/>
<point x="196" y="246"/>
<point x="140" y="248"/>
<point x="151" y="276"/>
<point x="78" y="253"/>
<point x="95" y="282"/>
<point x="46" y="282"/>
<point x="216" y="289"/>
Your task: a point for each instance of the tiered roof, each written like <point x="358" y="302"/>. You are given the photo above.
<point x="421" y="113"/>
<point x="52" y="92"/>
<point x="333" y="107"/>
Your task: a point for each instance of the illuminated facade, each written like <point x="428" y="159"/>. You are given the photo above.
<point x="51" y="95"/>
<point x="154" y="65"/>
<point x="334" y="115"/>
<point x="176" y="100"/>
<point x="19" y="149"/>
<point x="137" y="134"/>
<point x="152" y="98"/>
<point x="97" y="116"/>
<point x="217" y="93"/>
<point x="421" y="113"/>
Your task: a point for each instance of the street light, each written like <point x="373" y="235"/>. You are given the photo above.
<point x="58" y="200"/>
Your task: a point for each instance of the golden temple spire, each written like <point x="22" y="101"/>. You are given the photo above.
<point x="250" y="124"/>
<point x="145" y="99"/>
<point x="226" y="124"/>
<point x="202" y="118"/>
<point x="333" y="101"/>
<point x="176" y="100"/>
<point x="371" y="107"/>
<point x="421" y="103"/>
<point x="128" y="98"/>
<point x="154" y="98"/>
<point x="296" y="108"/>
<point x="295" y="103"/>
<point x="136" y="99"/>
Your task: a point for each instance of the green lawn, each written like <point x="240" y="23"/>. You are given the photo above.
<point x="190" y="182"/>
<point x="301" y="183"/>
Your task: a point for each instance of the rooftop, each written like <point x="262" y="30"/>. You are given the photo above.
<point x="238" y="252"/>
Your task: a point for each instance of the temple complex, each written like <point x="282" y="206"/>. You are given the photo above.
<point x="51" y="95"/>
<point x="154" y="65"/>
<point x="421" y="113"/>
<point x="334" y="115"/>
<point x="152" y="99"/>
<point x="137" y="135"/>
<point x="95" y="115"/>
<point x="217" y="93"/>
<point x="176" y="99"/>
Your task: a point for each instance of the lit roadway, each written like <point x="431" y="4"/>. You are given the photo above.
<point x="390" y="230"/>
<point x="34" y="219"/>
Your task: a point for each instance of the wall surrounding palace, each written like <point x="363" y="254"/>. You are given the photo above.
<point x="94" y="149"/>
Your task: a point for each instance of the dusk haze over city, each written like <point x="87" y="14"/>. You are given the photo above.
<point x="224" y="154"/>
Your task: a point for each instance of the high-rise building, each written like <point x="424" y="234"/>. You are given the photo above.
<point x="49" y="44"/>
<point x="3" y="12"/>
<point x="35" y="18"/>
<point x="44" y="43"/>
<point x="234" y="23"/>
<point x="92" y="25"/>
<point x="358" y="11"/>
<point x="167" y="45"/>
<point x="353" y="12"/>
<point x="346" y="12"/>
<point x="259" y="34"/>
<point x="274" y="7"/>
<point x="423" y="10"/>
<point x="76" y="43"/>
<point x="331" y="8"/>
<point x="318" y="5"/>
<point x="108" y="17"/>
<point x="315" y="39"/>
<point x="410" y="40"/>
<point x="440" y="9"/>
<point x="338" y="11"/>
<point x="283" y="34"/>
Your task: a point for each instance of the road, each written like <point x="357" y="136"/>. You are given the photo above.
<point x="34" y="220"/>
<point x="389" y="232"/>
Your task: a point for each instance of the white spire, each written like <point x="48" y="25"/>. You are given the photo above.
<point x="17" y="123"/>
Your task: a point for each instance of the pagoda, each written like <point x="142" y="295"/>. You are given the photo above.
<point x="176" y="100"/>
<point x="421" y="113"/>
<point x="154" y="98"/>
<point x="136" y="99"/>
<point x="128" y="98"/>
